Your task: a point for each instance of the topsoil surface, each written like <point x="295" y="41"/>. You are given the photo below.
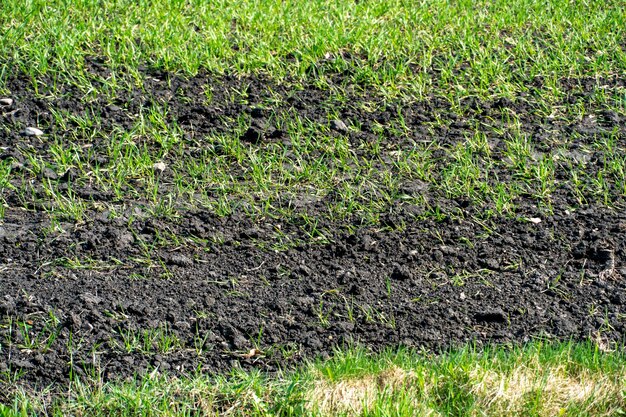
<point x="409" y="281"/>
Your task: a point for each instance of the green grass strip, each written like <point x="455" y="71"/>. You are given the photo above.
<point x="536" y="380"/>
<point x="464" y="47"/>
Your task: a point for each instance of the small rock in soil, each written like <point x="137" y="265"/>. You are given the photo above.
<point x="303" y="270"/>
<point x="239" y="341"/>
<point x="90" y="298"/>
<point x="490" y="263"/>
<point x="25" y="364"/>
<point x="345" y="277"/>
<point x="564" y="326"/>
<point x="413" y="188"/>
<point x="7" y="306"/>
<point x="179" y="260"/>
<point x="314" y="343"/>
<point x="250" y="233"/>
<point x="368" y="242"/>
<point x="32" y="131"/>
<point x="113" y="108"/>
<point x="338" y="126"/>
<point x="437" y="255"/>
<point x="159" y="166"/>
<point x="182" y="325"/>
<point x="75" y="321"/>
<point x="49" y="174"/>
<point x="305" y="301"/>
<point x="345" y="326"/>
<point x="125" y="239"/>
<point x="6" y="101"/>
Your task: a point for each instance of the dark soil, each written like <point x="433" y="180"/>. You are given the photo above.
<point x="408" y="280"/>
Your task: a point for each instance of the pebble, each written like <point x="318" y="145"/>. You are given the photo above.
<point x="90" y="298"/>
<point x="338" y="125"/>
<point x="32" y="131"/>
<point x="180" y="260"/>
<point x="125" y="239"/>
<point x="17" y="166"/>
<point x="182" y="325"/>
<point x="239" y="341"/>
<point x="159" y="166"/>
<point x="49" y="174"/>
<point x="6" y="101"/>
<point x="19" y="363"/>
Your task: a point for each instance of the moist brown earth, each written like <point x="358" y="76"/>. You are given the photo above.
<point x="431" y="282"/>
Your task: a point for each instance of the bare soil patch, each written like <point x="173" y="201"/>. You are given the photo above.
<point x="408" y="280"/>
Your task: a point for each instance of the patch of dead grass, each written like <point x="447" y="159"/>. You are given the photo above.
<point x="550" y="390"/>
<point x="530" y="387"/>
<point x="354" y="396"/>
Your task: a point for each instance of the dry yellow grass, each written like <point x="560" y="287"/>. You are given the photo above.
<point x="356" y="395"/>
<point x="549" y="390"/>
<point x="529" y="387"/>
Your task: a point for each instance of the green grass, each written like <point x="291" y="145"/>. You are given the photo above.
<point x="536" y="380"/>
<point x="397" y="44"/>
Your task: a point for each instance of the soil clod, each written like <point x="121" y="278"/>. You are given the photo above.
<point x="491" y="316"/>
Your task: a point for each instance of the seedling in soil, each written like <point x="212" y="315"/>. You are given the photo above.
<point x="200" y="339"/>
<point x="119" y="316"/>
<point x="555" y="286"/>
<point x="467" y="242"/>
<point x="33" y="334"/>
<point x="148" y="341"/>
<point x="349" y="308"/>
<point x="373" y="315"/>
<point x="88" y="264"/>
<point x="323" y="314"/>
<point x="288" y="351"/>
<point x="11" y="375"/>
